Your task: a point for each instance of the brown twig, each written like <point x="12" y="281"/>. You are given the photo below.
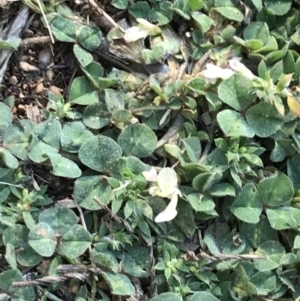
<point x="113" y="216"/>
<point x="198" y="66"/>
<point x="190" y="255"/>
<point x="175" y="127"/>
<point x="101" y="12"/>
<point x="69" y="271"/>
<point x="35" y="40"/>
<point x="150" y="108"/>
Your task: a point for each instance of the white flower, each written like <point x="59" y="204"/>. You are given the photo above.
<point x="167" y="187"/>
<point x="237" y="66"/>
<point x="214" y="72"/>
<point x="170" y="211"/>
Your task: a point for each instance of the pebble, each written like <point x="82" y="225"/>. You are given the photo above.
<point x="50" y="74"/>
<point x="39" y="88"/>
<point x="28" y="67"/>
<point x="45" y="56"/>
<point x="13" y="80"/>
<point x="55" y="90"/>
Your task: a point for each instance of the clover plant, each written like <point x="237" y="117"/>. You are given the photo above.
<point x="174" y="174"/>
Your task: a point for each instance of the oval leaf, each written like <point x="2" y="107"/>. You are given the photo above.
<point x="42" y="239"/>
<point x="137" y="140"/>
<point x="264" y="119"/>
<point x="233" y="124"/>
<point x="82" y="92"/>
<point x="75" y="241"/>
<point x="100" y="153"/>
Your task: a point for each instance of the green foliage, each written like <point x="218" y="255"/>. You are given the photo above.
<point x="174" y="173"/>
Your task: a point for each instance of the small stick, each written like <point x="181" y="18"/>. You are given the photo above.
<point x="105" y="15"/>
<point x="190" y="255"/>
<point x="35" y="40"/>
<point x="178" y="121"/>
<point x="198" y="66"/>
<point x="150" y="108"/>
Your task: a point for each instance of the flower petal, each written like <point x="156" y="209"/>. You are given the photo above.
<point x="170" y="211"/>
<point x="213" y="72"/>
<point x="135" y="33"/>
<point x="240" y="68"/>
<point x="150" y="175"/>
<point x="167" y="180"/>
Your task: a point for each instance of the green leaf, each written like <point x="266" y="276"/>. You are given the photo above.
<point x="265" y="282"/>
<point x="42" y="239"/>
<point x="182" y="8"/>
<point x="197" y="85"/>
<point x="136" y="262"/>
<point x="247" y="207"/>
<point x="257" y="4"/>
<point x="200" y="202"/>
<point x="104" y="258"/>
<point x="59" y="219"/>
<point x="87" y="188"/>
<point x="39" y="151"/>
<point x="293" y="169"/>
<point x="17" y="137"/>
<point x="185" y="219"/>
<point x="242" y="286"/>
<point x="75" y="241"/>
<point x="193" y="148"/>
<point x="63" y="167"/>
<point x="63" y="29"/>
<point x="90" y="37"/>
<point x="49" y="132"/>
<point x="234" y="91"/>
<point x="16" y="293"/>
<point x="74" y="134"/>
<point x="253" y="44"/>
<point x="10" y="256"/>
<point x="93" y="72"/>
<point x="222" y="189"/>
<point x="10" y="43"/>
<point x="283" y="218"/>
<point x="203" y="296"/>
<point x="278" y="8"/>
<point x="96" y="116"/>
<point x="82" y="92"/>
<point x="100" y="153"/>
<point x="195" y="4"/>
<point x="168" y="297"/>
<point x="114" y="100"/>
<point x="119" y="284"/>
<point x="8" y="159"/>
<point x="256" y="234"/>
<point x="231" y="13"/>
<point x="258" y="31"/>
<point x="276" y="190"/>
<point x="203" y="21"/>
<point x="139" y="9"/>
<point x="120" y="4"/>
<point x="83" y="56"/>
<point x="5" y="116"/>
<point x="137" y="140"/>
<point x="264" y="119"/>
<point x="18" y="237"/>
<point x="274" y="252"/>
<point x="233" y="124"/>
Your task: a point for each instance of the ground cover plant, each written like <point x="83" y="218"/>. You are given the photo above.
<point x="159" y="159"/>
